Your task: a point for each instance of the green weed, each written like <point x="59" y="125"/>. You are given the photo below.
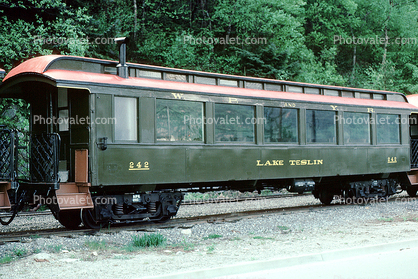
<point x="187" y="246"/>
<point x="19" y="252"/>
<point x="148" y="240"/>
<point x="55" y="248"/>
<point x="6" y="259"/>
<point x="211" y="248"/>
<point x="212" y="236"/>
<point x="97" y="245"/>
<point x="283" y="228"/>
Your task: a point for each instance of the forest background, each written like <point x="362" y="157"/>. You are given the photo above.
<point x="355" y="43"/>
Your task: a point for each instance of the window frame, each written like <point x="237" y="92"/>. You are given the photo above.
<point x="297" y="127"/>
<point x="399" y="142"/>
<point x="192" y="142"/>
<point x="254" y="126"/>
<point x="369" y="126"/>
<point x="333" y="143"/>
<point x="136" y="119"/>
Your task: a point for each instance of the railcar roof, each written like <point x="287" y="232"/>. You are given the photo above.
<point x="85" y="71"/>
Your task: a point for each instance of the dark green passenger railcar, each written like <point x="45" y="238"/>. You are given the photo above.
<point x="127" y="137"/>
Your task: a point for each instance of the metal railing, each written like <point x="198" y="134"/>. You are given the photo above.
<point x="414" y="153"/>
<point x="27" y="157"/>
<point x="44" y="158"/>
<point x="7" y="151"/>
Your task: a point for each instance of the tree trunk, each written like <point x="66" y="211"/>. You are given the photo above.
<point x="353" y="73"/>
<point x="135" y="19"/>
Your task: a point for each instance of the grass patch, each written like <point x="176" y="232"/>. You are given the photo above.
<point x="283" y="228"/>
<point x="42" y="208"/>
<point x="19" y="252"/>
<point x="55" y="248"/>
<point x="211" y="248"/>
<point x="131" y="248"/>
<point x="212" y="236"/>
<point x="148" y="240"/>
<point x="187" y="246"/>
<point x="388" y="219"/>
<point x="6" y="259"/>
<point x="97" y="245"/>
<point x="121" y="257"/>
<point x="266" y="192"/>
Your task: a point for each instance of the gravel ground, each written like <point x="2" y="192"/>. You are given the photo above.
<point x="212" y="244"/>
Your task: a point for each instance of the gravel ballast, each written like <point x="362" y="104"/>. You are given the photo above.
<point x="109" y="255"/>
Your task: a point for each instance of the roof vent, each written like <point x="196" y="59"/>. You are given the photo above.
<point x="122" y="67"/>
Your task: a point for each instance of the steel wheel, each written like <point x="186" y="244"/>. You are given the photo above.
<point x="326" y="197"/>
<point x="412" y="192"/>
<point x="88" y="219"/>
<point x="70" y="219"/>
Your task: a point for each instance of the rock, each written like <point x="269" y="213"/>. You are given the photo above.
<point x="187" y="232"/>
<point x="41" y="260"/>
<point x="41" y="257"/>
<point x="95" y="254"/>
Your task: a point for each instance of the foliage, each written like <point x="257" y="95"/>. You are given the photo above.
<point x="307" y="41"/>
<point x="283" y="228"/>
<point x="19" y="252"/>
<point x="14" y="114"/>
<point x="212" y="236"/>
<point x="97" y="245"/>
<point x="6" y="259"/>
<point x="148" y="240"/>
<point x="55" y="248"/>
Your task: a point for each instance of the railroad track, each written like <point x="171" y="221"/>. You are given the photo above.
<point x="185" y="202"/>
<point x="186" y="222"/>
<point x="240" y="199"/>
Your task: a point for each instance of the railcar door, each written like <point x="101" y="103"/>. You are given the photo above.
<point x="73" y="127"/>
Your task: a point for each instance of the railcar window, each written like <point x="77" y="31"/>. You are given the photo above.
<point x="320" y="126"/>
<point x="63" y="110"/>
<point x="64" y="121"/>
<point x="126" y="127"/>
<point x="356" y="128"/>
<point x="234" y="123"/>
<point x="179" y="120"/>
<point x="388" y="128"/>
<point x="413" y="124"/>
<point x="280" y="124"/>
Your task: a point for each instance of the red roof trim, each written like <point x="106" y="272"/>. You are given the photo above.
<point x="35" y="65"/>
<point x="39" y="65"/>
<point x="76" y="76"/>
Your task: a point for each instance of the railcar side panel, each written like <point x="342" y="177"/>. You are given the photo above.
<point x="140" y="164"/>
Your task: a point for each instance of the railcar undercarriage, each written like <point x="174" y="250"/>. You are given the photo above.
<point x="357" y="191"/>
<point x="128" y="208"/>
